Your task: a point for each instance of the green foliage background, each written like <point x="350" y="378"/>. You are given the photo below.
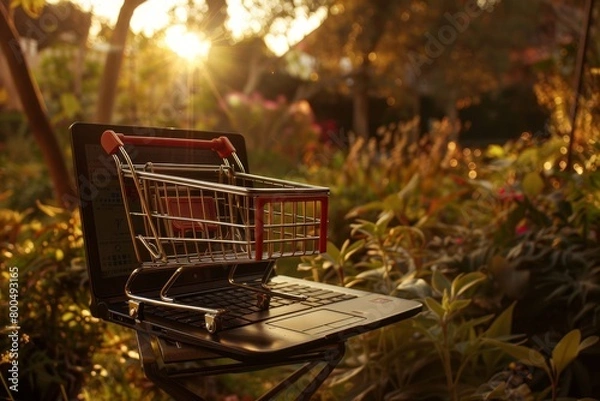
<point x="500" y="243"/>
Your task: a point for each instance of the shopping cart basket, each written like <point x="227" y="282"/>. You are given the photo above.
<point x="182" y="215"/>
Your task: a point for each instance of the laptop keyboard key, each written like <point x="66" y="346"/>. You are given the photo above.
<point x="242" y="307"/>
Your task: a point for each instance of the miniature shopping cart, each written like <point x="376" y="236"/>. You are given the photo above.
<point x="183" y="215"/>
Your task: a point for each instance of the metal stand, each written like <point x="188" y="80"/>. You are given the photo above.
<point x="171" y="365"/>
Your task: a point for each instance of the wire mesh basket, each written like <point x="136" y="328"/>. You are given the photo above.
<point x="228" y="215"/>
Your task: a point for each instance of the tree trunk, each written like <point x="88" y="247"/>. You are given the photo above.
<point x="215" y="20"/>
<point x="453" y="118"/>
<point x="114" y="60"/>
<point x="34" y="108"/>
<point x="360" y="102"/>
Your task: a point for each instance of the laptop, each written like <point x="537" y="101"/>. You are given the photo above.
<point x="316" y="315"/>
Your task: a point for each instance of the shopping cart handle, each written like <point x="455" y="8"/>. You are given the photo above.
<point x="111" y="141"/>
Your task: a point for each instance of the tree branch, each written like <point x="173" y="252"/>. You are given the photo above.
<point x="114" y="60"/>
<point x="34" y="108"/>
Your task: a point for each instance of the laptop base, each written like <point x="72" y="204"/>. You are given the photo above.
<point x="212" y="316"/>
<point x="171" y="365"/>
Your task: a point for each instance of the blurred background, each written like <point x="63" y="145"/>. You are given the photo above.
<point x="459" y="140"/>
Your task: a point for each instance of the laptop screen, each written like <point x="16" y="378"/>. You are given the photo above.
<point x="110" y="229"/>
<point x="108" y="244"/>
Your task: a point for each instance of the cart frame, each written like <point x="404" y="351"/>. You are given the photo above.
<point x="230" y="217"/>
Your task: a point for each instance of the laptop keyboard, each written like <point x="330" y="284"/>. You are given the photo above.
<point x="241" y="304"/>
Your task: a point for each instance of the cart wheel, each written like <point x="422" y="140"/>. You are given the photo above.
<point x="136" y="309"/>
<point x="212" y="322"/>
<point x="263" y="301"/>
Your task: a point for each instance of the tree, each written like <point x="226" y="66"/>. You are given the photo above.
<point x="403" y="50"/>
<point x="359" y="50"/>
<point x="114" y="60"/>
<point x="32" y="100"/>
<point x="33" y="106"/>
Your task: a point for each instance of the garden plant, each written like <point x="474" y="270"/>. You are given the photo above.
<point x="498" y="240"/>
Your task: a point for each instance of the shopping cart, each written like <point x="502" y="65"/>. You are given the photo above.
<point x="183" y="215"/>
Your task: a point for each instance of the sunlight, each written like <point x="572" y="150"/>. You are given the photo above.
<point x="286" y="33"/>
<point x="282" y="34"/>
<point x="244" y="19"/>
<point x="186" y="44"/>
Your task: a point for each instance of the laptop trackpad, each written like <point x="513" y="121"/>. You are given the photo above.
<point x="317" y="321"/>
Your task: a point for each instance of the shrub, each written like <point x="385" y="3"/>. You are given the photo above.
<point x="505" y="219"/>
<point x="278" y="133"/>
<point x="58" y="335"/>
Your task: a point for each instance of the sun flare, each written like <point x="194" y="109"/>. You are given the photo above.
<point x="186" y="44"/>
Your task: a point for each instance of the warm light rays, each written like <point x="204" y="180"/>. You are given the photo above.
<point x="191" y="46"/>
<point x="173" y="26"/>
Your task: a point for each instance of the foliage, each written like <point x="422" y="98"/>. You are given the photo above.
<point x="31" y="7"/>
<point x="443" y="345"/>
<point x="510" y="222"/>
<point x="500" y="244"/>
<point x="115" y="372"/>
<point x="409" y="47"/>
<point x="19" y="164"/>
<point x="528" y="251"/>
<point x="68" y="76"/>
<point x="278" y="133"/>
<point x="564" y="353"/>
<point x="387" y="170"/>
<point x="57" y="332"/>
<point x="160" y="90"/>
<point x="67" y="351"/>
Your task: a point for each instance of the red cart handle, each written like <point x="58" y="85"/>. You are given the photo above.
<point x="111" y="141"/>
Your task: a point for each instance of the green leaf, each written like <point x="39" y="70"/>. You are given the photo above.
<point x="473" y="322"/>
<point x="413" y="289"/>
<point x="67" y="316"/>
<point x="528" y="356"/>
<point x="529" y="157"/>
<point x="532" y="184"/>
<point x="435" y="306"/>
<point x="349" y="249"/>
<point x="33" y="8"/>
<point x="70" y="105"/>
<point x="495" y="151"/>
<point x="458" y="304"/>
<point x="497" y="393"/>
<point x="348" y="375"/>
<point x="420" y="326"/>
<point x="355" y="212"/>
<point x="410" y="187"/>
<point x="372" y="273"/>
<point x="465" y="281"/>
<point x="304" y="267"/>
<point x="502" y="325"/>
<point x="365" y="227"/>
<point x="439" y="282"/>
<point x="566" y="351"/>
<point x="50" y="211"/>
<point x="333" y="251"/>
<point x="587" y="342"/>
<point x="383" y="221"/>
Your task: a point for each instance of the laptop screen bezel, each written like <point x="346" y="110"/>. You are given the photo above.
<point x="83" y="134"/>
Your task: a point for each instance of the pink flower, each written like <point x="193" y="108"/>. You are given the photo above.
<point x="510" y="194"/>
<point x="521" y="229"/>
<point x="270" y="105"/>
